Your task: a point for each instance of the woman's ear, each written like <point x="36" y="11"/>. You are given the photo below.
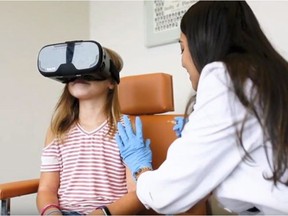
<point x="111" y="86"/>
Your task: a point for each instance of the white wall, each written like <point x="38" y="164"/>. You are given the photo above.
<point x="273" y="17"/>
<point x="27" y="98"/>
<point x="120" y="25"/>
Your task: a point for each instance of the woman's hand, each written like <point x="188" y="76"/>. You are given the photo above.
<point x="134" y="150"/>
<point x="179" y="124"/>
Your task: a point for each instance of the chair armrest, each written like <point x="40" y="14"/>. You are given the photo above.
<point x="18" y="188"/>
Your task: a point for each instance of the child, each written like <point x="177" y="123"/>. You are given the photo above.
<point x="81" y="166"/>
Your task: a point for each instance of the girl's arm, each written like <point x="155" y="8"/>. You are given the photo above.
<point x="126" y="205"/>
<point x="131" y="184"/>
<point x="47" y="192"/>
<point x="48" y="187"/>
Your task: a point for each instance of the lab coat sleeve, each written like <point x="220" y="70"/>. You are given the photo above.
<point x="206" y="153"/>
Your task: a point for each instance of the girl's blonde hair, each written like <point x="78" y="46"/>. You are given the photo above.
<point x="66" y="112"/>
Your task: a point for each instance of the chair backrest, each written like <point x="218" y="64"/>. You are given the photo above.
<point x="146" y="96"/>
<point x="150" y="96"/>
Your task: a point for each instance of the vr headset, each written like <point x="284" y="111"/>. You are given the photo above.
<point x="68" y="61"/>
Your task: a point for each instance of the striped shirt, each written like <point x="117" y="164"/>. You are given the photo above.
<point x="90" y="167"/>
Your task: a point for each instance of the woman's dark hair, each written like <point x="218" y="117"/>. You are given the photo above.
<point x="228" y="31"/>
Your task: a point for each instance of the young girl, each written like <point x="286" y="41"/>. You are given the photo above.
<point x="81" y="166"/>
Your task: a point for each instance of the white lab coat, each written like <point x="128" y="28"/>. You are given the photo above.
<point x="207" y="157"/>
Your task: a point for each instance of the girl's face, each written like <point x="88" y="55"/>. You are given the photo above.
<point x="187" y="62"/>
<point x="85" y="90"/>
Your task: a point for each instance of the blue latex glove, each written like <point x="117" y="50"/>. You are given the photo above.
<point x="178" y="127"/>
<point x="135" y="152"/>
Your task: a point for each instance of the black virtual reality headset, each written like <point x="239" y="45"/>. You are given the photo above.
<point x="71" y="60"/>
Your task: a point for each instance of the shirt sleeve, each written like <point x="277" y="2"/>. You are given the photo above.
<point x="50" y="160"/>
<point x="205" y="154"/>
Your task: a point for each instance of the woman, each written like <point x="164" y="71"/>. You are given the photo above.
<point x="235" y="143"/>
<point x="82" y="171"/>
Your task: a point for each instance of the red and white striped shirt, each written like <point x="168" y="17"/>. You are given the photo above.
<point x="91" y="170"/>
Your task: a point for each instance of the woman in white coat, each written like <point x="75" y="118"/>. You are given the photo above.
<point x="235" y="143"/>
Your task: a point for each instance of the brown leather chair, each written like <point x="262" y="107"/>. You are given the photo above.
<point x="14" y="189"/>
<point x="149" y="96"/>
